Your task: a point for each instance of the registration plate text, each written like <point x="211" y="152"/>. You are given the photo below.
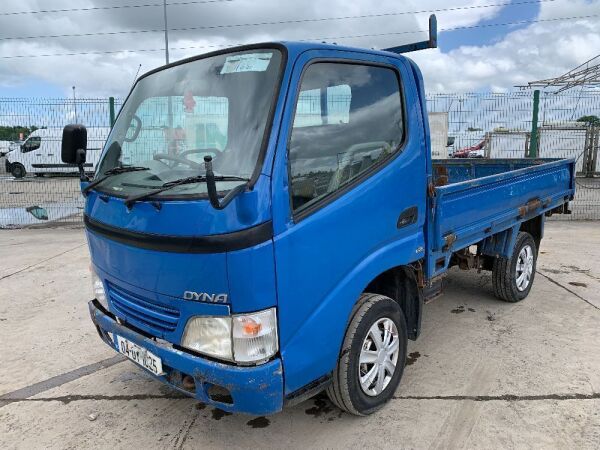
<point x="140" y="355"/>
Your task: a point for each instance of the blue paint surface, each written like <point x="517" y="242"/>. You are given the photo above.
<point x="254" y="390"/>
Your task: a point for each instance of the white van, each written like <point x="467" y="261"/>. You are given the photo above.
<point x="40" y="153"/>
<point x="4" y="148"/>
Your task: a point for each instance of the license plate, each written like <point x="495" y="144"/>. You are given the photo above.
<point x="140" y="355"/>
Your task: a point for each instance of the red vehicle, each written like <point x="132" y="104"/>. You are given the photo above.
<point x="475" y="151"/>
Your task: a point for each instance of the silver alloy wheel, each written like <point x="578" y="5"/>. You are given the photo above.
<point x="524" y="268"/>
<point x="378" y="357"/>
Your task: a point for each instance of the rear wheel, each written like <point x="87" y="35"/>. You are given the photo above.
<point x="512" y="277"/>
<point x="18" y="170"/>
<point x="372" y="358"/>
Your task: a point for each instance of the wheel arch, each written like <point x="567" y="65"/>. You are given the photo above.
<point x="535" y="227"/>
<point x="400" y="284"/>
<point x="329" y="321"/>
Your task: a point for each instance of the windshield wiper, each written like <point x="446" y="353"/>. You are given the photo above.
<point x="109" y="173"/>
<point x="129" y="201"/>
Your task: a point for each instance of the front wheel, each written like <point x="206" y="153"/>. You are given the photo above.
<point x="372" y="358"/>
<point x="17" y="170"/>
<point x="512" y="277"/>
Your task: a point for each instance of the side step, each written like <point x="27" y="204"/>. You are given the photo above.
<point x="433" y="291"/>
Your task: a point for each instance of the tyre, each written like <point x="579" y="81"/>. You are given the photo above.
<point x="512" y="277"/>
<point x="17" y="170"/>
<point x="373" y="355"/>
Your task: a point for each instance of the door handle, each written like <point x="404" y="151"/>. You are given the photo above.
<point x="407" y="217"/>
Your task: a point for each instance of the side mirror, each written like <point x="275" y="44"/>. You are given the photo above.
<point x="74" y="144"/>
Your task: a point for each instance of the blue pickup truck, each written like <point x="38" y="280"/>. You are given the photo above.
<point x="266" y="222"/>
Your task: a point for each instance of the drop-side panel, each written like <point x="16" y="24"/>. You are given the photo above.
<point x="466" y="212"/>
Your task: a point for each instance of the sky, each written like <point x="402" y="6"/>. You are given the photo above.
<point x="486" y="58"/>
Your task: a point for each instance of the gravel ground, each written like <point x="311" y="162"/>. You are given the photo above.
<point x="483" y="374"/>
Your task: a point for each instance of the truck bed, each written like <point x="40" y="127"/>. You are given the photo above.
<point x="477" y="198"/>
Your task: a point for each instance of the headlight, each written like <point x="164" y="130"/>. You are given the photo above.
<point x="209" y="335"/>
<point x="98" y="289"/>
<point x="244" y="338"/>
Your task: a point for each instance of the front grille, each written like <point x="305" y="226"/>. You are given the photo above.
<point x="132" y="307"/>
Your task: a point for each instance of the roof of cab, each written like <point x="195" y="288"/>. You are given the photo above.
<point x="301" y="46"/>
<point x="293" y="47"/>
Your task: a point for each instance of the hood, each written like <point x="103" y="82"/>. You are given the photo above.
<point x="184" y="254"/>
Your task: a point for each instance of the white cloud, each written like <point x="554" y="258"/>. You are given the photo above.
<point x="538" y="51"/>
<point x="541" y="50"/>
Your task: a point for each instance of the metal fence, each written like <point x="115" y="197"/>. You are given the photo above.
<point x="475" y="125"/>
<point x="503" y="126"/>
<point x="43" y="192"/>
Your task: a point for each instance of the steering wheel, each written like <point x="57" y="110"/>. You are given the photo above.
<point x="178" y="159"/>
<point x="193" y="151"/>
<point x="349" y="155"/>
<point x="136" y="132"/>
<point x="363" y="147"/>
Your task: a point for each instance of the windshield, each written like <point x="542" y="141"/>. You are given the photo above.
<point x="217" y="106"/>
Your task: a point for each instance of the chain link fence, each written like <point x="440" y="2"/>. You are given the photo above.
<point x="37" y="189"/>
<point x="487" y="125"/>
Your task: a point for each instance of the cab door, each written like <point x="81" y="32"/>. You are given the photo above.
<point x="51" y="150"/>
<point x="349" y="167"/>
<point x="31" y="154"/>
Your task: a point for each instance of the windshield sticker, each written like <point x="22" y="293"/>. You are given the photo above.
<point x="249" y="62"/>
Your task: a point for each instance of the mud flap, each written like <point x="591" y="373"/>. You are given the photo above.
<point x="501" y="244"/>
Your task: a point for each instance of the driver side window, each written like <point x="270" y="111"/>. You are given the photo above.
<point x="348" y="118"/>
<point x="33" y="143"/>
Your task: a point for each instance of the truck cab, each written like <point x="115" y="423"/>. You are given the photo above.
<point x="261" y="224"/>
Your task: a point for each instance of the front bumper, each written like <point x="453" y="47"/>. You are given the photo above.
<point x="256" y="390"/>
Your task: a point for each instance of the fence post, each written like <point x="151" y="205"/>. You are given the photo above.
<point x="595" y="149"/>
<point x="590" y="151"/>
<point x="111" y="110"/>
<point x="533" y="143"/>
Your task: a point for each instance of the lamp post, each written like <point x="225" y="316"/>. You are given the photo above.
<point x="74" y="105"/>
<point x="169" y="100"/>
<point x="166" y="32"/>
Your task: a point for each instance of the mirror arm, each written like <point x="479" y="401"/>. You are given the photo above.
<point x="80" y="160"/>
<point x="231" y="195"/>
<point x="211" y="187"/>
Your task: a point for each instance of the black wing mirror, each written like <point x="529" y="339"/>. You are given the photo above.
<point x="74" y="146"/>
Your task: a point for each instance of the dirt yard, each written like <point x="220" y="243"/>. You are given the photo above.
<point x="483" y="374"/>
